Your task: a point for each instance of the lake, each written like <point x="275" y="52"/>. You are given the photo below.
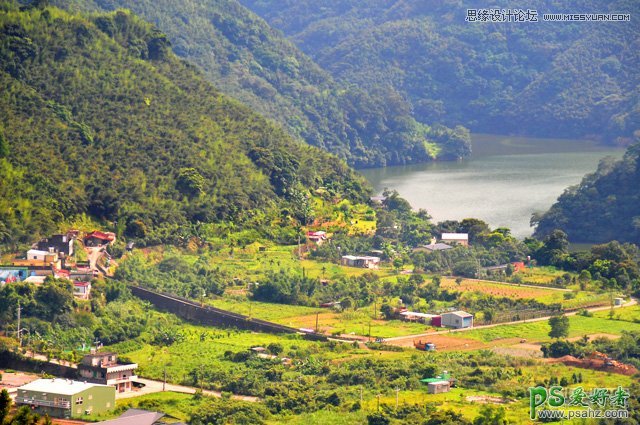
<point x="505" y="180"/>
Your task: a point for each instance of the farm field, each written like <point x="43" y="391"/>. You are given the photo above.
<point x="627" y="314"/>
<point x="516" y="291"/>
<point x="500" y="289"/>
<point x="541" y="275"/>
<point x="329" y="321"/>
<point x="251" y="264"/>
<point x="539" y="331"/>
<point x="205" y="347"/>
<point x="466" y="401"/>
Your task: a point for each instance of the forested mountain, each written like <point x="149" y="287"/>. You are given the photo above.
<point x="570" y="79"/>
<point x="603" y="207"/>
<point x="250" y="61"/>
<point x="98" y="116"/>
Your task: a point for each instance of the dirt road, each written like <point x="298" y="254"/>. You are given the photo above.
<point x="151" y="386"/>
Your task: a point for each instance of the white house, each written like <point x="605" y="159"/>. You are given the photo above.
<point x="36" y="254"/>
<point x="455" y="238"/>
<point x="361" y="261"/>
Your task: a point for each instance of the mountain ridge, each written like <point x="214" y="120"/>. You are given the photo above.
<point x="99" y="117"/>
<point x="250" y="61"/>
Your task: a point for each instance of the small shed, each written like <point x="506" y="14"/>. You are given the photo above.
<point x="366" y="262"/>
<point x="457" y="319"/>
<point x="618" y="301"/>
<point x="438" y="387"/>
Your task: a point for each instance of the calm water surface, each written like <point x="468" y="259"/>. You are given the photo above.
<point x="504" y="182"/>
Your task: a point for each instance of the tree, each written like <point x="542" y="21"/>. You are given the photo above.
<point x="54" y="297"/>
<point x="5" y="405"/>
<point x="4" y="146"/>
<point x="25" y="417"/>
<point x="466" y="268"/>
<point x="491" y="416"/>
<point x="488" y="315"/>
<point x="190" y="182"/>
<point x="397" y="263"/>
<point x="584" y="278"/>
<point x="378" y="419"/>
<point x="275" y="348"/>
<point x="387" y="311"/>
<point x="559" y="327"/>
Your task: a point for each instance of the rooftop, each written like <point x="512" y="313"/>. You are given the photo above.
<point x="416" y="314"/>
<point x="135" y="417"/>
<point x="107" y="236"/>
<point x="459" y="313"/>
<point x="37" y="252"/>
<point x="437" y="246"/>
<point x="359" y="257"/>
<point x="456" y="236"/>
<point x="58" y="386"/>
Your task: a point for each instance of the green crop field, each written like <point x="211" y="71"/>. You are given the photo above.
<point x="628" y="314"/>
<point x="539" y="331"/>
<point x="204" y="347"/>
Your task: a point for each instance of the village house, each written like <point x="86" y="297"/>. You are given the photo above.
<point x="98" y="238"/>
<point x="82" y="290"/>
<point x="37" y="258"/>
<point x="61" y="244"/>
<point x="63" y="398"/>
<point x="455" y="238"/>
<point x="103" y="368"/>
<point x="438" y="387"/>
<point x="318" y="237"/>
<point x="360" y="261"/>
<point x="457" y="319"/>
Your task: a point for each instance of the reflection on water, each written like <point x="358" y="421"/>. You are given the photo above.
<point x="503" y="183"/>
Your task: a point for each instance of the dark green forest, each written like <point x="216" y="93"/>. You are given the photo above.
<point x="560" y="79"/>
<point x="99" y="117"/>
<point x="604" y="206"/>
<point x="250" y="61"/>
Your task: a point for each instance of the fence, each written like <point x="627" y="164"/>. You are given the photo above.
<point x="207" y="315"/>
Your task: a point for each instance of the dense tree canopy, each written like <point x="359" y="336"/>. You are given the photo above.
<point x="604" y="206"/>
<point x="98" y="116"/>
<point x="255" y="64"/>
<point x="539" y="78"/>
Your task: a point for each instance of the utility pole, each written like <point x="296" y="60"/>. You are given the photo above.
<point x="375" y="308"/>
<point x="317" y="322"/>
<point x="164" y="383"/>
<point x="19" y="331"/>
<point x="378" y="407"/>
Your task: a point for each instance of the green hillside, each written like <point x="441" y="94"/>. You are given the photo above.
<point x="603" y="207"/>
<point x="255" y="64"/>
<point x="98" y="116"/>
<point x="560" y="79"/>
